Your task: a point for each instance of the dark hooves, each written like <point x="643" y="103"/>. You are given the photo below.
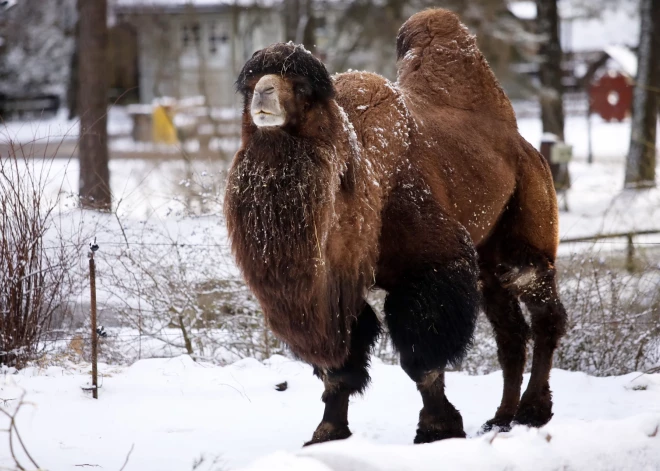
<point x="532" y="417"/>
<point x="496" y="425"/>
<point x="428" y="436"/>
<point x="327" y="432"/>
<point x="535" y="412"/>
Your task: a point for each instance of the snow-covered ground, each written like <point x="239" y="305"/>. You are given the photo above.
<point x="175" y="411"/>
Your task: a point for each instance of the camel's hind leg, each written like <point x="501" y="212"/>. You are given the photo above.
<point x="521" y="254"/>
<point x="511" y="333"/>
<point x="548" y="325"/>
<point x="527" y="275"/>
<point x="351" y="378"/>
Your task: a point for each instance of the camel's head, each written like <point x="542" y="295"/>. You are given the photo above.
<point x="281" y="84"/>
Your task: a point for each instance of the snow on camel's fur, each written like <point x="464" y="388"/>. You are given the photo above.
<point x="350" y="183"/>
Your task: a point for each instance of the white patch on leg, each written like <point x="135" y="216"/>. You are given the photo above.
<point x="525" y="279"/>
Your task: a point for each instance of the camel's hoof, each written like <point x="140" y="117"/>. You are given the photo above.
<point x="433" y="435"/>
<point x="497" y="424"/>
<point x="533" y="413"/>
<point x="326" y="432"/>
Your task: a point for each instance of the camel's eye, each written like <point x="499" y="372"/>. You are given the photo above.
<point x="303" y="90"/>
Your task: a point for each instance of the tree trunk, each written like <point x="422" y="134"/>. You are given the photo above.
<point x="307" y="26"/>
<point x="640" y="165"/>
<point x="552" y="106"/>
<point x="300" y="23"/>
<point x="73" y="86"/>
<point x="92" y="104"/>
<point x="291" y="18"/>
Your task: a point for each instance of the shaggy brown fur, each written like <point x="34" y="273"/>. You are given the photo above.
<point x="368" y="184"/>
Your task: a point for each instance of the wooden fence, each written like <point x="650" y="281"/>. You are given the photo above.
<point x="630" y="242"/>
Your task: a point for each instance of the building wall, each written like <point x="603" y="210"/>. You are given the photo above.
<point x="123" y="63"/>
<point x="190" y="53"/>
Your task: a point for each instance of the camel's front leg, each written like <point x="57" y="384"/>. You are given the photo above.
<point x="352" y="377"/>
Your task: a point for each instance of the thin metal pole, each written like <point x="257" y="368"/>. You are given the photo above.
<point x="92" y="287"/>
<point x="630" y="254"/>
<point x="590" y="153"/>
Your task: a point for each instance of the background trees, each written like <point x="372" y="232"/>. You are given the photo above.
<point x="641" y="161"/>
<point x="92" y="103"/>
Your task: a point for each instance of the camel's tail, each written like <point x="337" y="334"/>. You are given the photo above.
<point x="438" y="60"/>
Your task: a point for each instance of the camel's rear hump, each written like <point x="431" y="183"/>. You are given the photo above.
<point x="440" y="63"/>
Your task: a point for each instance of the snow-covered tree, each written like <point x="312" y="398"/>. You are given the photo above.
<point x="37" y="43"/>
<point x="640" y="164"/>
<point x="550" y="74"/>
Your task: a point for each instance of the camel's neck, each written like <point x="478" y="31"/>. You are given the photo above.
<point x="279" y="206"/>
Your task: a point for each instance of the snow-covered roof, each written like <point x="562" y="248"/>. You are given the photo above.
<point x="525" y="10"/>
<point x="626" y="59"/>
<point x="582" y="30"/>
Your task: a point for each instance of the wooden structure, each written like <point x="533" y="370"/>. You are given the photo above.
<point x="195" y="47"/>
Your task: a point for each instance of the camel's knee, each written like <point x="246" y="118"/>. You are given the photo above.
<point x="531" y="277"/>
<point x="548" y="315"/>
<point x="504" y="314"/>
<point x="431" y="317"/>
<point x="353" y="375"/>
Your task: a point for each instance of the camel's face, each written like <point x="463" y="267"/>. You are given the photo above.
<point x="280" y="102"/>
<point x="266" y="108"/>
<point x="284" y="87"/>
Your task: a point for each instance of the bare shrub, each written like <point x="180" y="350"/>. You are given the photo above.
<point x="34" y="278"/>
<point x="614" y="318"/>
<point x="9" y="408"/>
<point x="183" y="290"/>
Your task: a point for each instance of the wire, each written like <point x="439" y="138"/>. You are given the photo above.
<point x="157" y="244"/>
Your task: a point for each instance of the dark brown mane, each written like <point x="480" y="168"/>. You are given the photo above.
<point x="276" y="230"/>
<point x="291" y="61"/>
<point x="280" y="227"/>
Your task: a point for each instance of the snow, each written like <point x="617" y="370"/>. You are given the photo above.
<point x="581" y="30"/>
<point x="59" y="127"/>
<point x="593" y="34"/>
<point x="525" y="10"/>
<point x="174" y="411"/>
<point x="597" y="203"/>
<point x="626" y="59"/>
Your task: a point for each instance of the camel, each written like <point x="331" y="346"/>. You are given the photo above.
<point x="423" y="188"/>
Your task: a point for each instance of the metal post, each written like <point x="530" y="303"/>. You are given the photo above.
<point x="92" y="287"/>
<point x="630" y="255"/>
<point x="590" y="152"/>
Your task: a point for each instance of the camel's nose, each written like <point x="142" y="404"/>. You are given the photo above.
<point x="265" y="95"/>
<point x="265" y="107"/>
<point x="264" y="89"/>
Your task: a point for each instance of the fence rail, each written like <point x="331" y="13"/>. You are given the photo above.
<point x="630" y="242"/>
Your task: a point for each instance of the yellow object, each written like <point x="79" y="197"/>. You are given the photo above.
<point x="163" y="131"/>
